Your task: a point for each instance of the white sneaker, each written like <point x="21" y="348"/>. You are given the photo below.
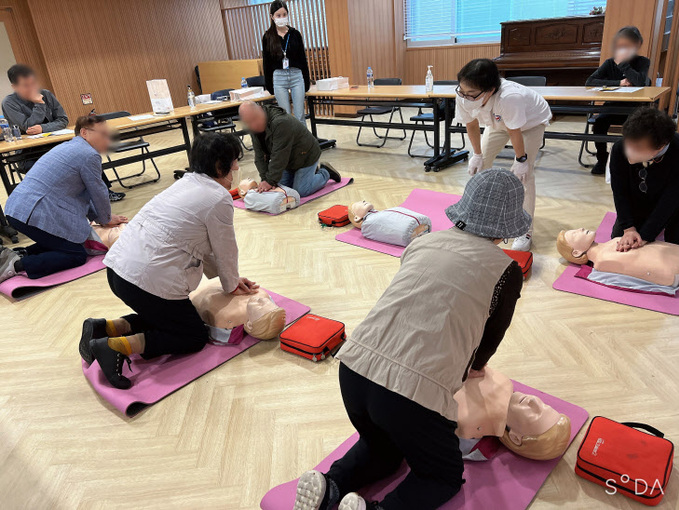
<point x="522" y="243"/>
<point x="352" y="501"/>
<point x="310" y="491"/>
<point x="7" y="259"/>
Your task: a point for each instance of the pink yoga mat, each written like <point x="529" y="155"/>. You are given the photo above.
<point x="568" y="282"/>
<point x="21" y="287"/>
<point x="155" y="379"/>
<point x="507" y="481"/>
<point x="329" y="188"/>
<point x="431" y="203"/>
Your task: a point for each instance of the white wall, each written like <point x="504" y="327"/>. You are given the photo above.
<point x="7" y="60"/>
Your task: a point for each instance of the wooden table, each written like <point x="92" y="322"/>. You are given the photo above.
<point x="389" y="96"/>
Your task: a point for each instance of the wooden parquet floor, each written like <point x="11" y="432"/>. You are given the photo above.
<point x="266" y="416"/>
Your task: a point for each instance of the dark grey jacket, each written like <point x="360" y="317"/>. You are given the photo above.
<point x="50" y="115"/>
<point x="285" y="145"/>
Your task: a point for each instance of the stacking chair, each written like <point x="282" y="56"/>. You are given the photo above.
<point x="256" y="81"/>
<point x="209" y="123"/>
<point x="429" y="117"/>
<point x="371" y="111"/>
<point x="529" y="81"/>
<point x="130" y="145"/>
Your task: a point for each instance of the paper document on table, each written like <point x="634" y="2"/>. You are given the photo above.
<point x="143" y="116"/>
<point x="62" y="132"/>
<point x="629" y="89"/>
<point x="159" y="93"/>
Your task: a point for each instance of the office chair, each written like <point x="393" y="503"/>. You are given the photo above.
<point x="210" y="123"/>
<point x="130" y="145"/>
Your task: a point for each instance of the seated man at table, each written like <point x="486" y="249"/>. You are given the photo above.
<point x="645" y="180"/>
<point x="35" y="110"/>
<point x="286" y="153"/>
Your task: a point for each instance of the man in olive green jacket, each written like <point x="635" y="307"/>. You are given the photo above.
<point x="286" y="153"/>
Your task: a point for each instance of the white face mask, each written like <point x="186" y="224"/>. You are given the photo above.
<point x="281" y="22"/>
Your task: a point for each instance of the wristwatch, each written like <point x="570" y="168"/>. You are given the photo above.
<point x="522" y="159"/>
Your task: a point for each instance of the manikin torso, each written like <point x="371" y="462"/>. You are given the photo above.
<point x="250" y="184"/>
<point x="222" y="310"/>
<point x="656" y="262"/>
<point x="358" y="211"/>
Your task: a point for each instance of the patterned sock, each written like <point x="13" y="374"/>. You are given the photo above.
<point x="117" y="327"/>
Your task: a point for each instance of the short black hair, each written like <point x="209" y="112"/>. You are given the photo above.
<point x="87" y="122"/>
<point x="482" y="73"/>
<point x="652" y="124"/>
<point x="630" y="33"/>
<point x="213" y="154"/>
<point x="18" y="71"/>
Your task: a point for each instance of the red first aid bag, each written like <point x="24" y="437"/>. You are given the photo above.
<point x="524" y="259"/>
<point x="313" y="337"/>
<point x="336" y="216"/>
<point x="626" y="460"/>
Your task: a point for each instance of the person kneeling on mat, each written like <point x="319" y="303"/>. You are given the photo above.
<point x="439" y="322"/>
<point x="158" y="260"/>
<point x="286" y="153"/>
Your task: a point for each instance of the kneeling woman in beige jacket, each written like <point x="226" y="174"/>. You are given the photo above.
<point x="439" y="321"/>
<point x="158" y="261"/>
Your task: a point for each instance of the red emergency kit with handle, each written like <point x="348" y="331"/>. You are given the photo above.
<point x="313" y="337"/>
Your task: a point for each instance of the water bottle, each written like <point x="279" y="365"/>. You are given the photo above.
<point x="429" y="81"/>
<point x="243" y="83"/>
<point x="371" y="77"/>
<point x="6" y="130"/>
<point x="16" y="132"/>
<point x="191" y="97"/>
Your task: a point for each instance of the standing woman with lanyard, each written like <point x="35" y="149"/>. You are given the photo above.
<point x="285" y="66"/>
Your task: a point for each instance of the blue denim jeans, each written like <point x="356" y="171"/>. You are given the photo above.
<point x="286" y="82"/>
<point x="306" y="181"/>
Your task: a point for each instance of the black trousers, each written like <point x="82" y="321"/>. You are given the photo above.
<point x="602" y="125"/>
<point x="50" y="254"/>
<point x="170" y="326"/>
<point x="671" y="229"/>
<point x="393" y="428"/>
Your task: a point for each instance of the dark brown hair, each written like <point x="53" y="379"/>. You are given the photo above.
<point x="482" y="73"/>
<point x="272" y="42"/>
<point x="631" y="33"/>
<point x="651" y="124"/>
<point x="87" y="122"/>
<point x="18" y="71"/>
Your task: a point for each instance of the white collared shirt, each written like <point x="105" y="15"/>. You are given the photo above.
<point x="513" y="106"/>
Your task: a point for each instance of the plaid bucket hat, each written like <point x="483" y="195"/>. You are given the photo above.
<point x="491" y="206"/>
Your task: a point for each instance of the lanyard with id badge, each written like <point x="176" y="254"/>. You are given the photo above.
<point x="286" y="61"/>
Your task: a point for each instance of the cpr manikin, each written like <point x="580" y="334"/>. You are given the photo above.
<point x="102" y="238"/>
<point x="398" y="225"/>
<point x="656" y="262"/>
<point x="222" y="312"/>
<point x="275" y="201"/>
<point x="489" y="406"/>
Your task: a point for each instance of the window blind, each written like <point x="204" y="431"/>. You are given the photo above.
<point x="469" y="21"/>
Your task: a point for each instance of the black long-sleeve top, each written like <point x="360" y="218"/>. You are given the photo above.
<point x="611" y="74"/>
<point x="296" y="55"/>
<point x="507" y="293"/>
<point x="648" y="212"/>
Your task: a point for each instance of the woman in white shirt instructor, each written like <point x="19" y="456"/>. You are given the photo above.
<point x="158" y="261"/>
<point x="510" y="113"/>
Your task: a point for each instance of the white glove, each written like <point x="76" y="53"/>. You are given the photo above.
<point x="475" y="164"/>
<point x="520" y="169"/>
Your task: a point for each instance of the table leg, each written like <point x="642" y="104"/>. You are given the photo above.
<point x="324" y="143"/>
<point x="185" y="134"/>
<point x="448" y="157"/>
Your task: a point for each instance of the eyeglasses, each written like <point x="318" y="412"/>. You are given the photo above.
<point x="461" y="94"/>
<point x="643" y="174"/>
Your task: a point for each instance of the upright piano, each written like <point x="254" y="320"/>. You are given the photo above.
<point x="564" y="50"/>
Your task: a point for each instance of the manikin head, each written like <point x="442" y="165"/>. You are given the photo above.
<point x="534" y="429"/>
<point x="574" y="244"/>
<point x="246" y="185"/>
<point x="266" y="320"/>
<point x="253" y="116"/>
<point x="358" y="211"/>
<point x="109" y="235"/>
<point x="482" y="405"/>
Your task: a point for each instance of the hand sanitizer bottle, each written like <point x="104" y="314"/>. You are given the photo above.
<point x="429" y="81"/>
<point x="191" y="97"/>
